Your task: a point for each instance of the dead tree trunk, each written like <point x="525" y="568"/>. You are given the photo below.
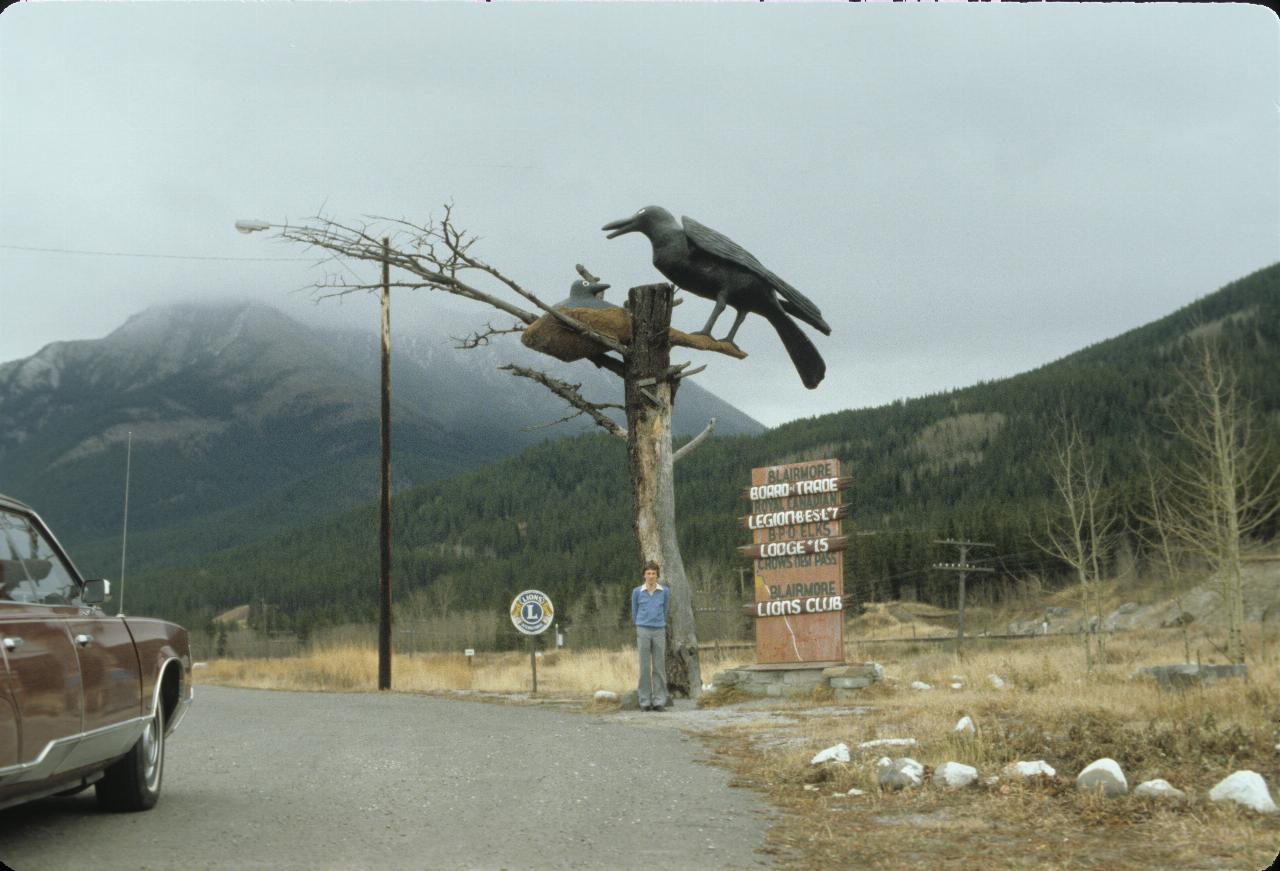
<point x="650" y="390"/>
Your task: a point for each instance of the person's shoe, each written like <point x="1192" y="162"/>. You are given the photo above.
<point x="646" y="707"/>
<point x="658" y="708"/>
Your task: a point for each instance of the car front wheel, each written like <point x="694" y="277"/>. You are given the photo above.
<point x="132" y="783"/>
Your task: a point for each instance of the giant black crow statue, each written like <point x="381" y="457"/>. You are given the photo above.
<point x="711" y="265"/>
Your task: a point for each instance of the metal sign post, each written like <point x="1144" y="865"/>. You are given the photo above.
<point x="532" y="613"/>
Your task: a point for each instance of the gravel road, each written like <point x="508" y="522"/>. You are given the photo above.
<point x="258" y="779"/>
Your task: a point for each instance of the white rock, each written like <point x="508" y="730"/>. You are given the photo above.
<point x="991" y="781"/>
<point x="957" y="677"/>
<point x="1158" y="789"/>
<point x="887" y="742"/>
<point x="708" y="687"/>
<point x="810" y="787"/>
<point x="955" y="775"/>
<point x="920" y="685"/>
<point x="838" y="753"/>
<point x="879" y="670"/>
<point x="855" y="791"/>
<point x="996" y="681"/>
<point x="606" y="696"/>
<point x="899" y="773"/>
<point x="1104" y="774"/>
<point x="1246" y="788"/>
<point x="965" y="724"/>
<point x="1027" y="770"/>
<point x="957" y="686"/>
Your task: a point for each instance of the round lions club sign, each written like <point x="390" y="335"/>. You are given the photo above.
<point x="531" y="612"/>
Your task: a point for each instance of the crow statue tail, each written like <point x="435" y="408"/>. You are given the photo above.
<point x="804" y="355"/>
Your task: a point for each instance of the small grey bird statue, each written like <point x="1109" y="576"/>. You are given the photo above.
<point x="584" y="295"/>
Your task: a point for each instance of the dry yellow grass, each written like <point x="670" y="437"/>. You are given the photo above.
<point x="349" y="667"/>
<point x="1050" y="709"/>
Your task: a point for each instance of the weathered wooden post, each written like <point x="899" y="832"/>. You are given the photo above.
<point x="650" y="391"/>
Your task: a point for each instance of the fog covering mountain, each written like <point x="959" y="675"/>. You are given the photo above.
<point x="246" y="422"/>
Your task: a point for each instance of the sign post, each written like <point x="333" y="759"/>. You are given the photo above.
<point x="531" y="613"/>
<point x="797" y="547"/>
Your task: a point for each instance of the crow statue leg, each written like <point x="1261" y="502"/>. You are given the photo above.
<point x="737" y="322"/>
<point x="715" y="313"/>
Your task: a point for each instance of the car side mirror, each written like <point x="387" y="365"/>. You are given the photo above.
<point x="96" y="591"/>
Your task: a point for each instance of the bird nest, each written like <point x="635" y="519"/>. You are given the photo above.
<point x="549" y="336"/>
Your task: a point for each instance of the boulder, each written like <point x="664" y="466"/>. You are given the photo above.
<point x="1027" y="770"/>
<point x="1244" y="788"/>
<point x="899" y="773"/>
<point x="965" y="724"/>
<point x="838" y="753"/>
<point x="1122" y="618"/>
<point x="1024" y="627"/>
<point x="887" y="742"/>
<point x="727" y="678"/>
<point x="1103" y="775"/>
<point x="996" y="681"/>
<point x="954" y="775"/>
<point x="920" y="685"/>
<point x="605" y="696"/>
<point x="844" y="680"/>
<point x="1185" y="676"/>
<point x="1158" y="789"/>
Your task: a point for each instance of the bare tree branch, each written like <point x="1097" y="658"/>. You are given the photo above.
<point x="697" y="440"/>
<point x="569" y="393"/>
<point x="479" y="338"/>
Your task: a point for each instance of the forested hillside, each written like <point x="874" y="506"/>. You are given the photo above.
<point x="969" y="462"/>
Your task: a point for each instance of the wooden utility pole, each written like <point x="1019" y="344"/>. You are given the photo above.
<point x="384" y="538"/>
<point x="963" y="568"/>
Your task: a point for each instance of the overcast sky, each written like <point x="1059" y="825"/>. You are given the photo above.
<point x="966" y="192"/>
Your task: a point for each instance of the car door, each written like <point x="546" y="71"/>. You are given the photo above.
<point x="111" y="684"/>
<point x="43" y="669"/>
<point x="8" y="717"/>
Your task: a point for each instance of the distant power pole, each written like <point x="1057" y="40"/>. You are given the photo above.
<point x="384" y="513"/>
<point x="963" y="568"/>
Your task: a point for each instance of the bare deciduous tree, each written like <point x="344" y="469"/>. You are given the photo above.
<point x="1078" y="529"/>
<point x="439" y="256"/>
<point x="1218" y="490"/>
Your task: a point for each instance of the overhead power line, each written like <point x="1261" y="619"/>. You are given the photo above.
<point x="155" y="256"/>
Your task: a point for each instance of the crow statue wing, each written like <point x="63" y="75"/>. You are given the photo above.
<point x="719" y="245"/>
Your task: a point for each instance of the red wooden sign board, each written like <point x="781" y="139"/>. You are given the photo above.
<point x="797" y="544"/>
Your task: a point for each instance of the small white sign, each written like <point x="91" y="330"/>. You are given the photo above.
<point x="532" y="612"/>
<point x="470" y="651"/>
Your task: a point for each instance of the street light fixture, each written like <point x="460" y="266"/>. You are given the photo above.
<point x="248" y="225"/>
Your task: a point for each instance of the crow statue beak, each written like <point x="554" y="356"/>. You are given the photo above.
<point x="626" y="225"/>
<point x="598" y="289"/>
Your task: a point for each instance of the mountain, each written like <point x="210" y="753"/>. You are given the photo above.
<point x="969" y="463"/>
<point x="246" y="422"/>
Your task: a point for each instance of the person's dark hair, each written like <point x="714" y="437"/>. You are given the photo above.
<point x="653" y="565"/>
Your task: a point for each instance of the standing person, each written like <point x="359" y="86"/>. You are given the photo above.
<point x="649" y="613"/>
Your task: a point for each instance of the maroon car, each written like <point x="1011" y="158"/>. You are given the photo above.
<point x="85" y="698"/>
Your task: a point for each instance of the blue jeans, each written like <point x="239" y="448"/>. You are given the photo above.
<point x="652" y="644"/>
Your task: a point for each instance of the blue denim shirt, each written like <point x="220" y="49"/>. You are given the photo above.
<point x="649" y="609"/>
